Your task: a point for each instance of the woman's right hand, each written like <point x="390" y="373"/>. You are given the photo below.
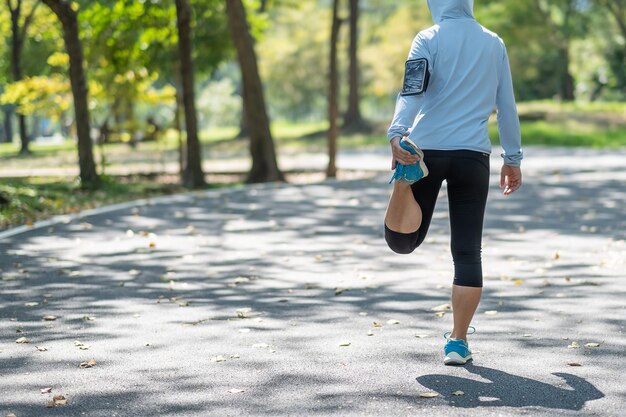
<point x="399" y="154"/>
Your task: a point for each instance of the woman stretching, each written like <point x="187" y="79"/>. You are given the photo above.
<point x="456" y="74"/>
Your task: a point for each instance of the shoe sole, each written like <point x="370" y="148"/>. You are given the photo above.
<point x="419" y="153"/>
<point x="454" y="358"/>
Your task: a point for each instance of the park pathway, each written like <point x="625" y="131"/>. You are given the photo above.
<point x="285" y="301"/>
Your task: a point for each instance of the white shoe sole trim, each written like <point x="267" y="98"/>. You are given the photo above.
<point x="420" y="153"/>
<point x="456" y="359"/>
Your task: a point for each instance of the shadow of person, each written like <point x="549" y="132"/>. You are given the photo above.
<point x="506" y="390"/>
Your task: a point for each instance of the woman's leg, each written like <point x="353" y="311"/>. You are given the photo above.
<point x="403" y="214"/>
<point x="468" y="185"/>
<point x="411" y="208"/>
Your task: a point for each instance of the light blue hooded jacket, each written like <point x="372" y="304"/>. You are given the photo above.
<point x="469" y="77"/>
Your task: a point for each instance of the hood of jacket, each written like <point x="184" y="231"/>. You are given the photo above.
<point x="451" y="9"/>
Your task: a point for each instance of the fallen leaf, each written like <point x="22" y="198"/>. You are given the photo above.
<point x="370" y="333"/>
<point x="377" y="324"/>
<point x="574" y="345"/>
<point x="218" y="358"/>
<point x="81" y="345"/>
<point x="59" y="399"/>
<point x="31" y="304"/>
<point x="134" y="272"/>
<point x="344" y="344"/>
<point x="89" y="318"/>
<point x="518" y="282"/>
<point x="46" y="390"/>
<point x="234" y="356"/>
<point x="491" y="312"/>
<point x="236" y="391"/>
<point x="442" y="307"/>
<point x="339" y="291"/>
<point x="557" y="255"/>
<point x="243" y="313"/>
<point x="22" y="340"/>
<point x="592" y="345"/>
<point x="11" y="415"/>
<point x="41" y="348"/>
<point x="574" y="364"/>
<point x="392" y="321"/>
<point x="49" y="318"/>
<point x="527" y="335"/>
<point x="152" y="245"/>
<point x="89" y="364"/>
<point x="440" y="314"/>
<point x="421" y="336"/>
<point x="50" y="404"/>
<point x="428" y="394"/>
<point x="458" y="393"/>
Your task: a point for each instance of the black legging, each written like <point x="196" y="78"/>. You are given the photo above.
<point x="467" y="176"/>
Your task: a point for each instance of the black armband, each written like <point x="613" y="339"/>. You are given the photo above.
<point x="416" y="76"/>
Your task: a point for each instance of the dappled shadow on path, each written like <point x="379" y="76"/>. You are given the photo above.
<point x="310" y="266"/>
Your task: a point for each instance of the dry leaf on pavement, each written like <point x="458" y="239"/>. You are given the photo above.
<point x="429" y="394"/>
<point x="46" y="390"/>
<point x="458" y="393"/>
<point x="23" y="340"/>
<point x="89" y="364"/>
<point x="236" y="390"/>
<point x="59" y="399"/>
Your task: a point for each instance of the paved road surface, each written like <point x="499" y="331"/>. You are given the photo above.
<point x="238" y="302"/>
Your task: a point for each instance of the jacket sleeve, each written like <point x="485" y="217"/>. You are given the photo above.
<point x="508" y="120"/>
<point x="407" y="107"/>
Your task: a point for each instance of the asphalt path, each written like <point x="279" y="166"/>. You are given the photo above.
<point x="283" y="300"/>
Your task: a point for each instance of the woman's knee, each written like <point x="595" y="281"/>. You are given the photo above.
<point x="402" y="243"/>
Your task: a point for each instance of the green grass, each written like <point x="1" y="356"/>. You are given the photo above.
<point x="24" y="201"/>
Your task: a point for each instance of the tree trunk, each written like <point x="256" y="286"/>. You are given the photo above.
<point x="567" y="81"/>
<point x="353" y="119"/>
<point x="264" y="166"/>
<point x="69" y="19"/>
<point x="17" y="41"/>
<point x="193" y="176"/>
<point x="8" y="126"/>
<point x="333" y="105"/>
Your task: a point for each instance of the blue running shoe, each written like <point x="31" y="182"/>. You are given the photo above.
<point x="410" y="174"/>
<point x="456" y="351"/>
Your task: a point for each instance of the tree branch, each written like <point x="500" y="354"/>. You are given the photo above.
<point x="29" y="19"/>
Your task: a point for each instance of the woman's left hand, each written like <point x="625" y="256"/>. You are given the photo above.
<point x="510" y="179"/>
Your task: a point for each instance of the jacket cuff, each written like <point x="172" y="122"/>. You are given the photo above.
<point x="514" y="160"/>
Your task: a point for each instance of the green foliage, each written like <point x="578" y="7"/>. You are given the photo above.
<point x="42" y="96"/>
